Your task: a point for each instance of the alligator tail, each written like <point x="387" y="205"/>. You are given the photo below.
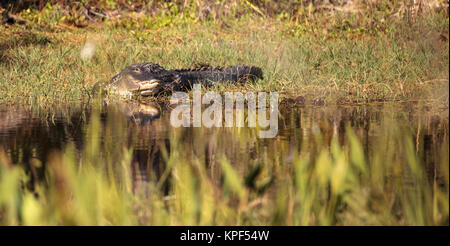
<point x="210" y="75"/>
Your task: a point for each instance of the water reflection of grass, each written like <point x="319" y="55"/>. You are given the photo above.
<point x="321" y="183"/>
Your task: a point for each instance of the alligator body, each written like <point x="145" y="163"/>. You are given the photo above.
<point x="148" y="79"/>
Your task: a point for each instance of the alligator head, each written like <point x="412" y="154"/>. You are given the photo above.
<point x="140" y="79"/>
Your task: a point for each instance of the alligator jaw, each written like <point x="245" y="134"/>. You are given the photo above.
<point x="148" y="84"/>
<point x="147" y="87"/>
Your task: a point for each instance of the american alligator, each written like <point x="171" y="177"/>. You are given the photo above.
<point x="148" y="78"/>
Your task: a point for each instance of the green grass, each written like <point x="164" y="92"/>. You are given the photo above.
<point x="339" y="58"/>
<point x="338" y="62"/>
<point x="325" y="182"/>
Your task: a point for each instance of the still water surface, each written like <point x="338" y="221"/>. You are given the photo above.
<point x="28" y="136"/>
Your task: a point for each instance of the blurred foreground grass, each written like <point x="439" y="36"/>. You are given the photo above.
<point x="323" y="183"/>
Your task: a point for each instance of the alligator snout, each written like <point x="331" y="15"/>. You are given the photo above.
<point x="128" y="84"/>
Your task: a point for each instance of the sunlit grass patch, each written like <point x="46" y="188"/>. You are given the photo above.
<point x="39" y="66"/>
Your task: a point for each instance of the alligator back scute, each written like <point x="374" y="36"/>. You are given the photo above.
<point x="209" y="75"/>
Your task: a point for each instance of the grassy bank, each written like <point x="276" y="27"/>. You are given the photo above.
<point x="342" y="58"/>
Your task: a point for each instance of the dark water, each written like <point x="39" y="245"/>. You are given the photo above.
<point x="28" y="136"/>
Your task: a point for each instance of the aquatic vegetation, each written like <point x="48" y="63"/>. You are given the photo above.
<point x="320" y="179"/>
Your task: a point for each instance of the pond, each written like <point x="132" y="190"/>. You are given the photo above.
<point x="104" y="137"/>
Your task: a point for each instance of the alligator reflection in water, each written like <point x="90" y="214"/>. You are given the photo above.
<point x="145" y="140"/>
<point x="29" y="137"/>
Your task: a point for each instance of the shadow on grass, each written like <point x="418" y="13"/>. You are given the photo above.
<point x="24" y="39"/>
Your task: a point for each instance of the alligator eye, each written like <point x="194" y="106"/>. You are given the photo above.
<point x="115" y="78"/>
<point x="136" y="69"/>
